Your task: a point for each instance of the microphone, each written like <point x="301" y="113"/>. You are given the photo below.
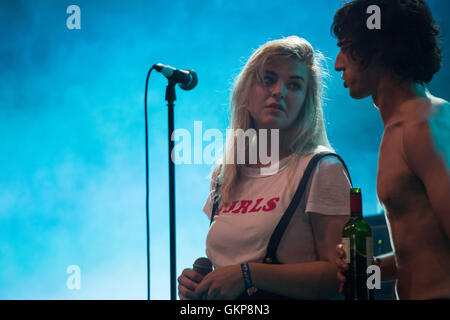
<point x="187" y="79"/>
<point x="203" y="266"/>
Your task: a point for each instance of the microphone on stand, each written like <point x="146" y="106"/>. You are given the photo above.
<point x="203" y="266"/>
<point x="187" y="79"/>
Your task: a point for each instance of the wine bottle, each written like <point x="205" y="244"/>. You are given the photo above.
<point x="358" y="246"/>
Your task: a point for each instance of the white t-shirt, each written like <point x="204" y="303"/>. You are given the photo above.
<point x="241" y="231"/>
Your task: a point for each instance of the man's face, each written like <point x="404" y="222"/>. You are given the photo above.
<point x="360" y="81"/>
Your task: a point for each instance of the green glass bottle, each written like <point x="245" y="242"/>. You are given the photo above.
<point x="358" y="246"/>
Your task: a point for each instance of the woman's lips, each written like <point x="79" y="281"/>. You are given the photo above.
<point x="275" y="107"/>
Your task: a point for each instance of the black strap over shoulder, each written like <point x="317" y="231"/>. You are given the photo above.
<point x="215" y="203"/>
<point x="271" y="255"/>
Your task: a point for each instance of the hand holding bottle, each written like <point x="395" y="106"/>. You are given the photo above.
<point x="358" y="251"/>
<point x="341" y="265"/>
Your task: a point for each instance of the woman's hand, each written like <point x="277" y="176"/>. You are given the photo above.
<point x="224" y="283"/>
<point x="187" y="283"/>
<point x="341" y="265"/>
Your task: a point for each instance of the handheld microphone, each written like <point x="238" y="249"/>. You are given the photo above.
<point x="203" y="266"/>
<point x="187" y="79"/>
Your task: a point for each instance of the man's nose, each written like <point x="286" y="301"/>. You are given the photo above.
<point x="339" y="63"/>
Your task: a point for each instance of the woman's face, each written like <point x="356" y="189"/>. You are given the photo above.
<point x="276" y="102"/>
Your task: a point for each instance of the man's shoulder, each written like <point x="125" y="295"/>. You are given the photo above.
<point x="428" y="133"/>
<point x="436" y="112"/>
<point x="425" y="112"/>
<point x="439" y="102"/>
<point x="440" y="109"/>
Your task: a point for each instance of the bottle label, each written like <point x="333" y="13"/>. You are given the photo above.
<point x="369" y="250"/>
<point x="346" y="243"/>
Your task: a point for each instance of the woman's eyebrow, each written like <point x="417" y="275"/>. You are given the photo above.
<point x="291" y="77"/>
<point x="297" y="77"/>
<point x="272" y="73"/>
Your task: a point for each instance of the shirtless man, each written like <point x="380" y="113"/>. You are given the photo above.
<point x="392" y="66"/>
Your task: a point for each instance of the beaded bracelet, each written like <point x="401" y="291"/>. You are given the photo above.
<point x="246" y="275"/>
<point x="247" y="279"/>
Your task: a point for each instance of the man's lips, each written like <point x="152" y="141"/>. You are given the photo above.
<point x="345" y="81"/>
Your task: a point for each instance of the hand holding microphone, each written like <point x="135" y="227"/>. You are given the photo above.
<point x="190" y="278"/>
<point x="203" y="266"/>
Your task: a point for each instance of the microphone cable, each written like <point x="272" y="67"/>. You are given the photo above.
<point x="147" y="187"/>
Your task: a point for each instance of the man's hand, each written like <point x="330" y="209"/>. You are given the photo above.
<point x="341" y="265"/>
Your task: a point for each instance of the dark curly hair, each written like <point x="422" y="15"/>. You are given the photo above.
<point x="407" y="43"/>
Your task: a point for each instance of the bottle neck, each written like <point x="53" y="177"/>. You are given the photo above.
<point x="356" y="205"/>
<point x="356" y="214"/>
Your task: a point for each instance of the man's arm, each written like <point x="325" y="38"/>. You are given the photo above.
<point x="427" y="160"/>
<point x="387" y="265"/>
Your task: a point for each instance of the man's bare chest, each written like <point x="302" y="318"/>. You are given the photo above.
<point x="398" y="188"/>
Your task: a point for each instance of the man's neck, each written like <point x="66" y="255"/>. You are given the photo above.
<point x="392" y="94"/>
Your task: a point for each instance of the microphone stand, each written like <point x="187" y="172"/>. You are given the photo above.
<point x="170" y="98"/>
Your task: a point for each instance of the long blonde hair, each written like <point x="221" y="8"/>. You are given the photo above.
<point x="307" y="132"/>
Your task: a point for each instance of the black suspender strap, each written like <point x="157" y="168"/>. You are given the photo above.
<point x="271" y="255"/>
<point x="215" y="202"/>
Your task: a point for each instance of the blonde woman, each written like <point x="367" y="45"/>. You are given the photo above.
<point x="278" y="89"/>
